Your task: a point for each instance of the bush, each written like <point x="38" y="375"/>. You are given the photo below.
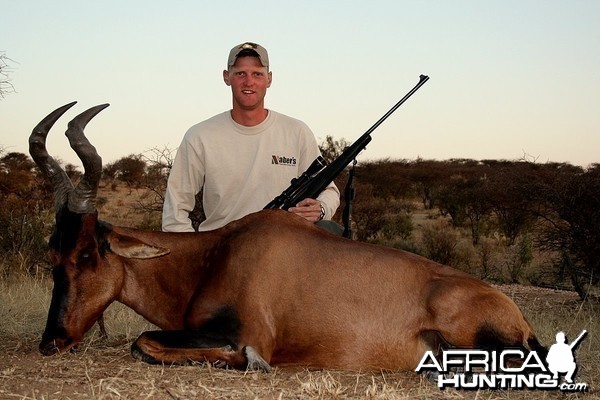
<point x="519" y="258"/>
<point x="439" y="243"/>
<point x="23" y="244"/>
<point x="397" y="226"/>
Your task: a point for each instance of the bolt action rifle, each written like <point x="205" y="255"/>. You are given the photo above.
<point x="320" y="174"/>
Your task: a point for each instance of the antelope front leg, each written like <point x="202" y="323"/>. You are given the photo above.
<point x="183" y="347"/>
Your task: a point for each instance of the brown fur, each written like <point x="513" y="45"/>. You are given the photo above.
<point x="303" y="296"/>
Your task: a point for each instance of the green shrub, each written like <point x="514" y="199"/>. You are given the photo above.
<point x="439" y="243"/>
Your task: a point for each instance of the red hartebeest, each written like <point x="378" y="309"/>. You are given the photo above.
<point x="268" y="289"/>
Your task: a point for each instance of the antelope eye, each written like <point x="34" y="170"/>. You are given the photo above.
<point x="84" y="256"/>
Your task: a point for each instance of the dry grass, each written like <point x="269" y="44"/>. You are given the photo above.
<point x="121" y="201"/>
<point x="105" y="369"/>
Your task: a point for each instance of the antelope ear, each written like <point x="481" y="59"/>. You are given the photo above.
<point x="130" y="247"/>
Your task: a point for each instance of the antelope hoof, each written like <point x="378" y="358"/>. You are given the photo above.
<point x="255" y="361"/>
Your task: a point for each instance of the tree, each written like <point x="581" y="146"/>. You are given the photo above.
<point x="568" y="200"/>
<point x="390" y="179"/>
<point x="428" y="177"/>
<point x="130" y="169"/>
<point x="159" y="162"/>
<point x="509" y="198"/>
<point x="5" y="84"/>
<point x="331" y="149"/>
<point x="369" y="212"/>
<point x="477" y="206"/>
<point x="158" y="165"/>
<point x="24" y="198"/>
<point x="16" y="174"/>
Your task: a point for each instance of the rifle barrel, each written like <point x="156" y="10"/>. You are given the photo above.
<point x="577" y="339"/>
<point x="315" y="179"/>
<point x="422" y="80"/>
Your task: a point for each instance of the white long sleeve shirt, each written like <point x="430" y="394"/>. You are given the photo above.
<point x="240" y="168"/>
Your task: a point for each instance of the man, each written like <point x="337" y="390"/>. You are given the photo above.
<point x="242" y="158"/>
<point x="560" y="357"/>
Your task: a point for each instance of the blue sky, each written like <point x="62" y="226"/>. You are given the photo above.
<point x="508" y="78"/>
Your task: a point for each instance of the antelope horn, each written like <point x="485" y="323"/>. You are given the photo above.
<point x="83" y="199"/>
<point x="37" y="148"/>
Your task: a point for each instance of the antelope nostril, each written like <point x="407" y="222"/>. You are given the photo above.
<point x="49" y="348"/>
<point x="52" y="346"/>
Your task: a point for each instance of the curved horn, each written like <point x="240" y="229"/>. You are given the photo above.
<point x="37" y="148"/>
<point x="83" y="199"/>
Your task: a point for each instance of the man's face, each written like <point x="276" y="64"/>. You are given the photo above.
<point x="249" y="81"/>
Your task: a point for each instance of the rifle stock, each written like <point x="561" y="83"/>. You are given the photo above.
<point x="316" y="178"/>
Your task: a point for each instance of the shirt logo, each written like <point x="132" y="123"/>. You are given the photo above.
<point x="283" y="160"/>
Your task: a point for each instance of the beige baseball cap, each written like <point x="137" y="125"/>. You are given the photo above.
<point x="263" y="56"/>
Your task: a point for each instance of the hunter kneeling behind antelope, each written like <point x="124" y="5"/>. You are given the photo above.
<point x="268" y="289"/>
